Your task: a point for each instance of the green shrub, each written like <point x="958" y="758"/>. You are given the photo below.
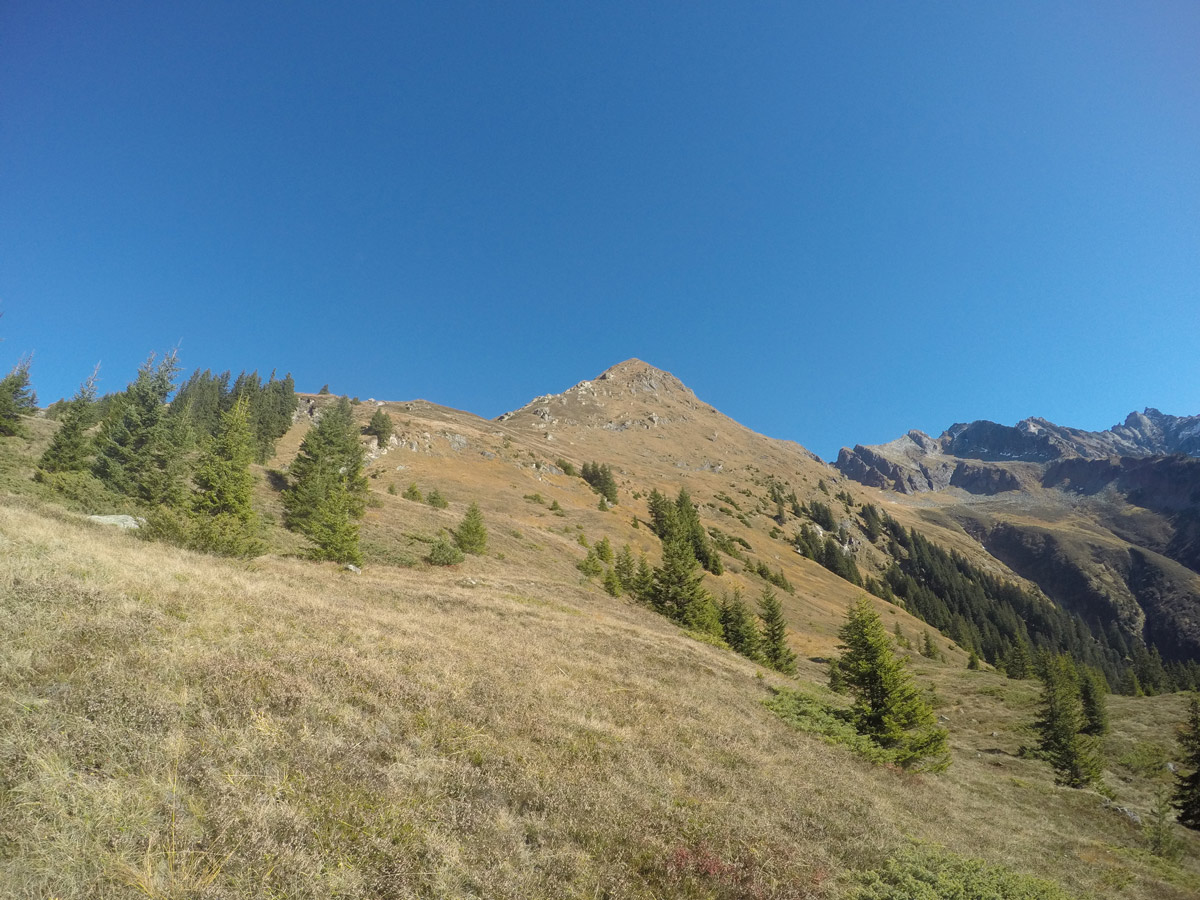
<point x="412" y="492"/>
<point x="443" y="553"/>
<point x="926" y="873"/>
<point x="436" y="500"/>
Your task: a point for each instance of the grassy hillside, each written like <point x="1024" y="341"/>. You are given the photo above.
<point x="178" y="725"/>
<point x="175" y="725"/>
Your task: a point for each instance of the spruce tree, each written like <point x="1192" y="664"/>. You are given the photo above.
<point x="740" y="626"/>
<point x="1060" y="722"/>
<point x="1186" y="798"/>
<point x="612" y="583"/>
<point x="471" y="534"/>
<point x="138" y="449"/>
<point x="1017" y="664"/>
<point x="70" y="447"/>
<point x="677" y="582"/>
<point x="328" y="491"/>
<point x="223" y="520"/>
<point x="1093" y="698"/>
<point x="380" y="426"/>
<point x="703" y="616"/>
<point x="604" y="549"/>
<point x="887" y="706"/>
<point x="643" y="582"/>
<point x="928" y="648"/>
<point x="625" y="568"/>
<point x="16" y="399"/>
<point x="773" y="644"/>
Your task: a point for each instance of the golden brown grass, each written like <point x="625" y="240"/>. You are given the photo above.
<point x="173" y="725"/>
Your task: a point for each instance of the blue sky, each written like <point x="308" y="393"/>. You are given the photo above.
<point x="835" y="222"/>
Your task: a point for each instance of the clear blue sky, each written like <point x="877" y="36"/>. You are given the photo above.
<point x="833" y="221"/>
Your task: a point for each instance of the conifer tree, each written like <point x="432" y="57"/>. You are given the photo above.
<point x="604" y="549"/>
<point x="612" y="583"/>
<point x="887" y="705"/>
<point x="70" y="447"/>
<point x="328" y="491"/>
<point x="740" y="626"/>
<point x="773" y="644"/>
<point x="625" y="568"/>
<point x="1060" y="722"/>
<point x="380" y="426"/>
<point x="471" y="534"/>
<point x="1186" y="798"/>
<point x="643" y="582"/>
<point x="1093" y="698"/>
<point x="662" y="515"/>
<point x="928" y="648"/>
<point x="222" y="517"/>
<point x="677" y="582"/>
<point x="435" y="499"/>
<point x="17" y="398"/>
<point x="1017" y="665"/>
<point x="139" y="449"/>
<point x="412" y="492"/>
<point x="703" y="616"/>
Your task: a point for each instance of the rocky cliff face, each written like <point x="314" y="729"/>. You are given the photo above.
<point x="918" y="462"/>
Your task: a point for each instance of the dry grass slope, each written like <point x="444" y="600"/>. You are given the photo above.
<point x="172" y="725"/>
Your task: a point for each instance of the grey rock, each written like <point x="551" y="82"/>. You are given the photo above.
<point x="351" y="567"/>
<point x="119" y="521"/>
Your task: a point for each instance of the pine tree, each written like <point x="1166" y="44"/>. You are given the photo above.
<point x="677" y="582"/>
<point x="1187" y="786"/>
<point x="773" y="645"/>
<point x="739" y="626"/>
<point x="973" y="661"/>
<point x="412" y="492"/>
<point x="887" y="705"/>
<point x="16" y="399"/>
<point x="70" y="447"/>
<point x="380" y="426"/>
<point x="1093" y="697"/>
<point x="1059" y="724"/>
<point x="328" y="491"/>
<point x="471" y="534"/>
<point x="139" y="448"/>
<point x="223" y="520"/>
<point x="435" y="499"/>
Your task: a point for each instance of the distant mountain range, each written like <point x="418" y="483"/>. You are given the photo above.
<point x="917" y="462"/>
